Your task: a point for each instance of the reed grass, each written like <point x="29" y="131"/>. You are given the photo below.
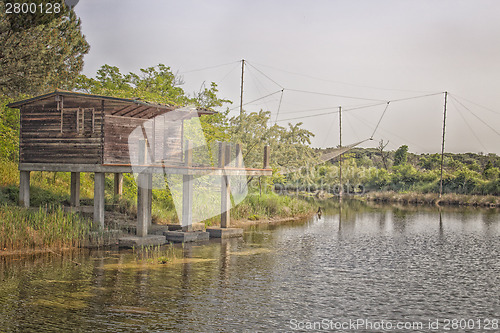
<point x="155" y="254"/>
<point x="47" y="227"/>
<point x="268" y="205"/>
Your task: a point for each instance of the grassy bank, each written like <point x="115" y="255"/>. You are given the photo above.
<point x="254" y="207"/>
<point x="451" y="199"/>
<point x="40" y="229"/>
<point x="271" y="205"/>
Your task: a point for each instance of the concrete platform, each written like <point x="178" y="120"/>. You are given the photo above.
<point x="157" y="229"/>
<point x="225" y="232"/>
<point x="135" y="241"/>
<point x="195" y="227"/>
<point x="185" y="237"/>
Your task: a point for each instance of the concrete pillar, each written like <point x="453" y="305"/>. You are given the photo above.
<point x="118" y="184"/>
<point x="187" y="190"/>
<point x="225" y="191"/>
<point x="24" y="189"/>
<point x="143" y="193"/>
<point x="99" y="183"/>
<point x="143" y="217"/>
<point x="75" y="189"/>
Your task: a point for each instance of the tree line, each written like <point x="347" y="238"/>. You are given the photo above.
<point x="40" y="54"/>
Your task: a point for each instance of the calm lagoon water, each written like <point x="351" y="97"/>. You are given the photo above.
<point x="369" y="265"/>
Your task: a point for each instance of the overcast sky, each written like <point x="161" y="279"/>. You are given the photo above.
<point x="376" y="51"/>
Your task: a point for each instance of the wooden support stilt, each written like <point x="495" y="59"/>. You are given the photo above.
<point x="143" y="198"/>
<point x="239" y="156"/>
<point x="187" y="190"/>
<point x="75" y="189"/>
<point x="24" y="189"/>
<point x="99" y="181"/>
<point x="267" y="156"/>
<point x="224" y="160"/>
<point x="118" y="184"/>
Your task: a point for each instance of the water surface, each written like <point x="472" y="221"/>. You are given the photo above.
<point x="394" y="264"/>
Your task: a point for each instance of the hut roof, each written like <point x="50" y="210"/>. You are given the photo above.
<point x="123" y="105"/>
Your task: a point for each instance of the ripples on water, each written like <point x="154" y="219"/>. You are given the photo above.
<point x="376" y="264"/>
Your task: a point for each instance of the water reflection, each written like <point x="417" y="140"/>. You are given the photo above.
<point x="356" y="261"/>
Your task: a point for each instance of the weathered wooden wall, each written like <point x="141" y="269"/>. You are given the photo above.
<point x="96" y="131"/>
<point x="43" y="140"/>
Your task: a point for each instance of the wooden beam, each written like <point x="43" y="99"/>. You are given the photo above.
<point x="146" y="113"/>
<point x="93" y="119"/>
<point x="153" y="141"/>
<point x="222" y="154"/>
<point x="132" y="110"/>
<point x="125" y="110"/>
<point x="156" y="168"/>
<point x="267" y="157"/>
<point x="239" y="156"/>
<point x="136" y="111"/>
<point x="227" y="155"/>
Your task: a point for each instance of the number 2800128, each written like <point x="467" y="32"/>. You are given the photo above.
<point x="32" y="8"/>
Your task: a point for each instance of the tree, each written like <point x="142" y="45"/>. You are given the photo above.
<point x="430" y="162"/>
<point x="39" y="52"/>
<point x="381" y="146"/>
<point x="401" y="155"/>
<point x="157" y="84"/>
<point x="290" y="146"/>
<point x="207" y="97"/>
<point x="9" y="131"/>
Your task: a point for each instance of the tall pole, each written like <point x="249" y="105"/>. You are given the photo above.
<point x="442" y="145"/>
<point x="241" y="95"/>
<point x="340" y="156"/>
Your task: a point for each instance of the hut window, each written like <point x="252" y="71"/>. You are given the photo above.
<point x="85" y="119"/>
<point x="78" y="120"/>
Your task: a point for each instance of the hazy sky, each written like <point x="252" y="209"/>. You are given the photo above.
<point x="376" y="50"/>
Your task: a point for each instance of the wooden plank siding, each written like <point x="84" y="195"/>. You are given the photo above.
<point x="74" y="128"/>
<point x="41" y="139"/>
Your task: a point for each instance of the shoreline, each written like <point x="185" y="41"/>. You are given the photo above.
<point x="447" y="199"/>
<point x="387" y="197"/>
<point x="270" y="221"/>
